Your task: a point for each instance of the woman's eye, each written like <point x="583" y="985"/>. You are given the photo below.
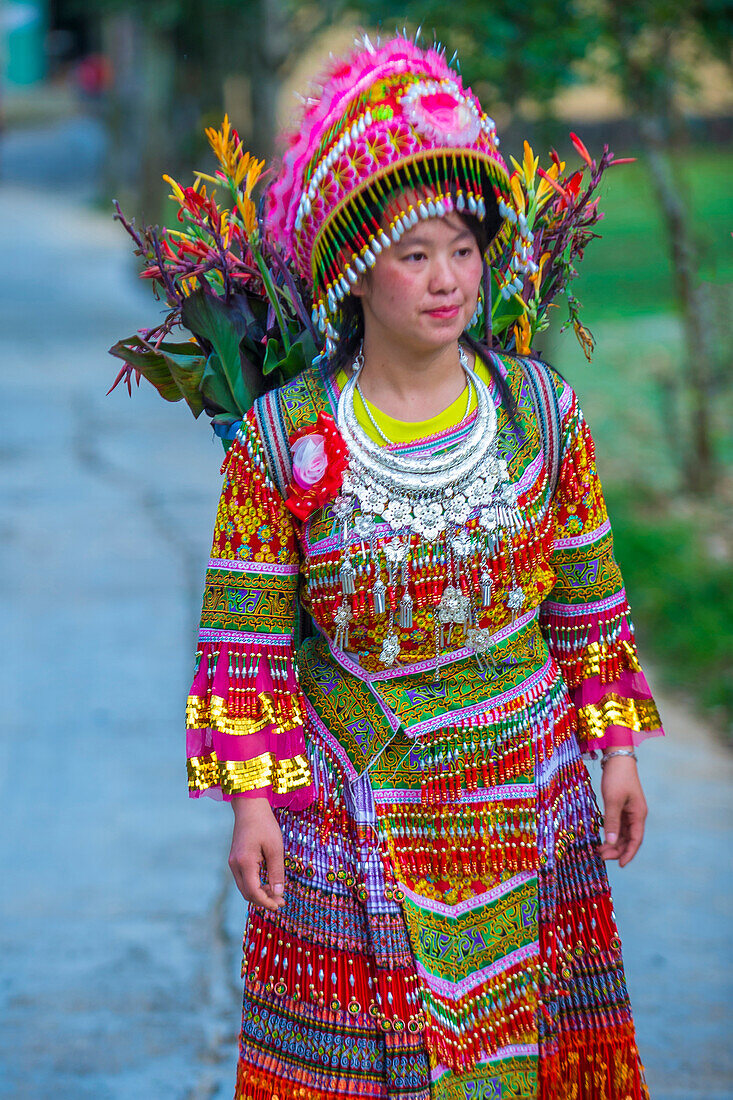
<point x="415" y="256"/>
<point x="465" y="251"/>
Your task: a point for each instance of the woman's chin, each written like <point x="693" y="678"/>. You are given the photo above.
<point x="438" y="331"/>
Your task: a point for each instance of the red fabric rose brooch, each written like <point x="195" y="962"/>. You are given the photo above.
<point x="319" y="460"/>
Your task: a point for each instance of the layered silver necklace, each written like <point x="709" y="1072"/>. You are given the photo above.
<point x="431" y="496"/>
<point x="359" y="363"/>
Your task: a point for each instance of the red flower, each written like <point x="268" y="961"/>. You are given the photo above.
<point x="570" y="191"/>
<point x="580" y="148"/>
<point x="319" y="460"/>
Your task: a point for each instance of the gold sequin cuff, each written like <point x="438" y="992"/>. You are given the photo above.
<point x="241" y="776"/>
<point x="638" y="715"/>
<point x="598" y="656"/>
<point x="213" y="713"/>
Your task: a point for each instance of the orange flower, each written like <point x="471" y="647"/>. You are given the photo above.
<point x="523" y="335"/>
<point x="248" y="214"/>
<point x="241" y="169"/>
<point x="552" y="181"/>
<point x="176" y="189"/>
<point x="536" y="279"/>
<point x="226" y="145"/>
<point x="547" y="178"/>
<point x="517" y="193"/>
<point x="526" y="170"/>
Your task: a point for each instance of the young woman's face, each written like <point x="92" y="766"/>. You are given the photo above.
<point x="422" y="291"/>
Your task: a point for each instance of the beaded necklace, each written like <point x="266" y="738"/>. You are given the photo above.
<point x="368" y="411"/>
<point x="427" y="503"/>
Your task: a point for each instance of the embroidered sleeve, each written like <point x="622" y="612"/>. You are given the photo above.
<point x="245" y="709"/>
<point x="586" y="617"/>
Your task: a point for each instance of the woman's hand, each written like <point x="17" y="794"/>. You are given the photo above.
<point x="257" y="840"/>
<point x="624" y="808"/>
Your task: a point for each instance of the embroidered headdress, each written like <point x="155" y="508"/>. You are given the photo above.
<point x="388" y="119"/>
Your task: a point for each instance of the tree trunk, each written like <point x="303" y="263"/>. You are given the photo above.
<point x="158" y="67"/>
<point x="649" y="83"/>
<point x="272" y="45"/>
<point x="121" y="36"/>
<point x="700" y="470"/>
<point x="139" y="113"/>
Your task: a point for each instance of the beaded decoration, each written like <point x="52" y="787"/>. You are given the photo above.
<point x="388" y="119"/>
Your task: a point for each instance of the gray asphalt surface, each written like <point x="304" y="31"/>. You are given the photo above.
<point x="119" y="931"/>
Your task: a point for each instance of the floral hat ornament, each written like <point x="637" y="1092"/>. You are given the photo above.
<point x="391" y="118"/>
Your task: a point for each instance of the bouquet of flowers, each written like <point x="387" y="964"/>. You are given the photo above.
<point x="234" y="294"/>
<point x="238" y="322"/>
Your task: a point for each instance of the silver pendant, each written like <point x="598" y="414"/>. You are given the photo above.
<point x="379" y="591"/>
<point x="347" y="575"/>
<point x="343" y="506"/>
<point x="463" y="612"/>
<point x="406" y="612"/>
<point x="395" y="551"/>
<point x="515" y="600"/>
<point x="448" y="605"/>
<point x="343" y="617"/>
<point x="478" y="637"/>
<point x="390" y="649"/>
<point x="486" y="586"/>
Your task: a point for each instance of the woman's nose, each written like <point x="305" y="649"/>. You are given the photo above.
<point x="442" y="277"/>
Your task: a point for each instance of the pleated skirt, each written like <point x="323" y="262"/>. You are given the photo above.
<point x="448" y="930"/>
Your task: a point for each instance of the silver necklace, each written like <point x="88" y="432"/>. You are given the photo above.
<point x="375" y="425"/>
<point x="429" y="496"/>
<point x="419" y="473"/>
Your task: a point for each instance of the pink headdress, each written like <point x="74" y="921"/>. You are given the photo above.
<point x="391" y="118"/>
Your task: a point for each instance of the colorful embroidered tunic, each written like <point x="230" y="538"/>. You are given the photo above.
<point x="448" y="930"/>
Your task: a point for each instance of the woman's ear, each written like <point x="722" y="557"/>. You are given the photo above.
<point x="358" y="289"/>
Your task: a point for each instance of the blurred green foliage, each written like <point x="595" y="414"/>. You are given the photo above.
<point x="506" y="50"/>
<point x="674" y="553"/>
<point x="680" y="594"/>
<point x="630" y="271"/>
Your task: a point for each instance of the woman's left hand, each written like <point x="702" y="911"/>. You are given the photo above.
<point x="624" y="809"/>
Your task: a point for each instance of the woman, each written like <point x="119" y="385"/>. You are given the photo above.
<point x="414" y="827"/>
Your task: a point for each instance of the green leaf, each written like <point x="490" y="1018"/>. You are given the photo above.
<point x="215" y="389"/>
<point x="175" y="369"/>
<point x="299" y="357"/>
<point x="301" y="354"/>
<point x="224" y="325"/>
<point x="272" y="356"/>
<point x="503" y="313"/>
<point x="225" y="418"/>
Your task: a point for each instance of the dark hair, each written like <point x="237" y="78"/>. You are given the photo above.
<point x="351" y="332"/>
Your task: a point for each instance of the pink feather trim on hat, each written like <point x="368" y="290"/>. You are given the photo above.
<point x="341" y="82"/>
<point x="388" y="119"/>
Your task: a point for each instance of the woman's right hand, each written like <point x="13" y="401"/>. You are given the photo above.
<point x="257" y="840"/>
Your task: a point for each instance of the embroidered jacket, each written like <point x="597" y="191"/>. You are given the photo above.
<point x="248" y="713"/>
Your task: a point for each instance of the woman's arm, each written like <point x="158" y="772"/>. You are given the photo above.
<point x="624" y="809"/>
<point x="586" y="621"/>
<point x="245" y="711"/>
<point x="257" y="845"/>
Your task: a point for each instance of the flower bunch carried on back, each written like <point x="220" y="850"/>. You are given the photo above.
<point x="243" y="308"/>
<point x="553" y="217"/>
<point x="245" y="313"/>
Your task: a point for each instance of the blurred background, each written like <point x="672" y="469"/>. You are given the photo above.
<point x="120" y="931"/>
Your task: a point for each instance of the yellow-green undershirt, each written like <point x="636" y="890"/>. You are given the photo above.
<point x="405" y="431"/>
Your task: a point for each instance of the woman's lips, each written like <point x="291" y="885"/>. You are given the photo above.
<point x="444" y="312"/>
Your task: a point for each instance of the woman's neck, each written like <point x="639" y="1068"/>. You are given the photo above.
<point x="410" y="386"/>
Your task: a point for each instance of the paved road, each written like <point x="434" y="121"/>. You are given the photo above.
<point x="118" y="929"/>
